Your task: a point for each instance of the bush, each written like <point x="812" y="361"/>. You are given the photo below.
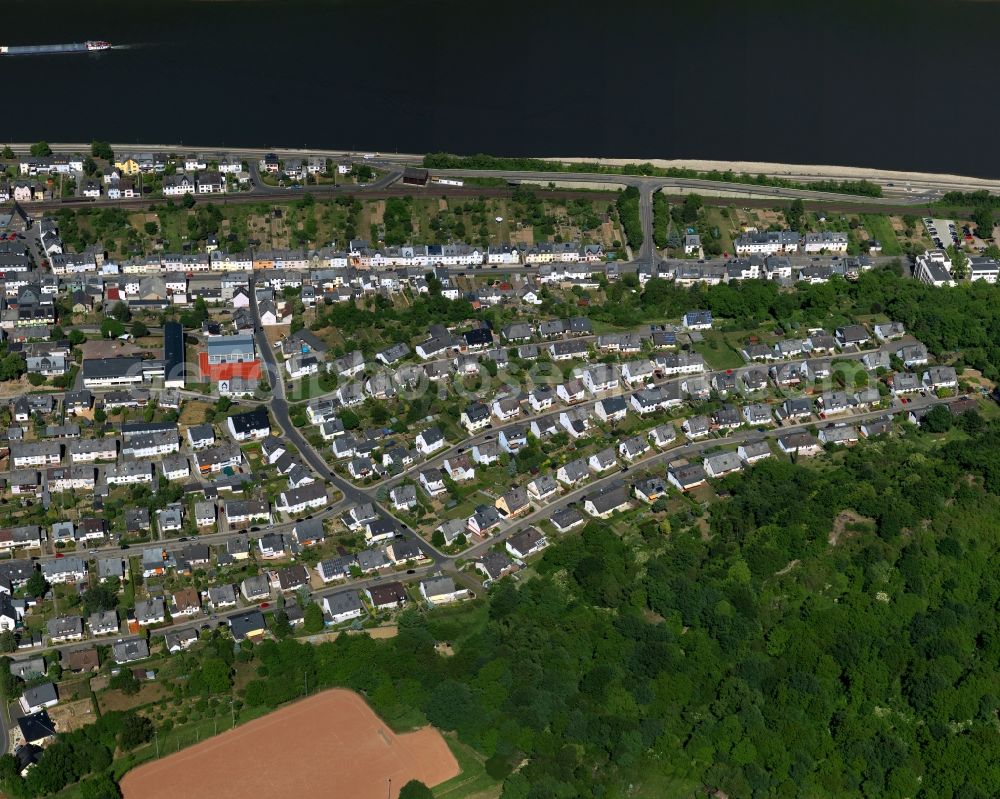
<point x="125" y="682"/>
<point x="312" y="618"/>
<point x="415" y="789"/>
<point x="135" y="730"/>
<point x="498" y="767"/>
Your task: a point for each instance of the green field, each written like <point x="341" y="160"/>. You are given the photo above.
<point x="880" y="227"/>
<point x="719" y="353"/>
<point x="472" y="781"/>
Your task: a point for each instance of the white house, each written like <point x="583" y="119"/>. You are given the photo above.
<point x="430" y="441"/>
<point x="722" y="463"/>
<point x="600" y="378"/>
<point x="441" y="590"/>
<point x="611" y="409"/>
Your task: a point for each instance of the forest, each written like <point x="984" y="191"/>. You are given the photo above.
<point x="761" y="647"/>
<point x="826" y="630"/>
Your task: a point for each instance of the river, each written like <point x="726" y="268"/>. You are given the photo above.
<point x="905" y="85"/>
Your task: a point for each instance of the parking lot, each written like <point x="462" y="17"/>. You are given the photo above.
<point x="942" y="231"/>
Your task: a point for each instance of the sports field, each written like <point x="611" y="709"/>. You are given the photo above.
<point x="330" y="745"/>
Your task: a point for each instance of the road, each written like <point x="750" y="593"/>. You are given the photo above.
<point x="211" y="539"/>
<point x="279" y="407"/>
<point x="659" y="458"/>
<point x="449" y="565"/>
<point x="894" y="181"/>
<point x="466" y="444"/>
<point x="901" y="190"/>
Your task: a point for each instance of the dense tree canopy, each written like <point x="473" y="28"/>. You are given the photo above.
<point x="787" y="653"/>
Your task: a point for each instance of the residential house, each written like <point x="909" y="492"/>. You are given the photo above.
<point x="663" y="435"/>
<point x="486" y="453"/>
<point x="39" y="697"/>
<point x="387" y="596"/>
<point x="432" y="481"/>
<point x="889" y="331"/>
<point x="150" y="611"/>
<point x="64" y="628"/>
<point x="513" y="502"/>
<point x="249" y="625"/>
<point x="685" y="476"/>
<point x="795" y="409"/>
<point x="851" y="335"/>
<point x="130" y="650"/>
<point x="250" y="425"/>
<point x="272" y="546"/>
<point x="649" y="489"/>
<point x="513" y="438"/>
<point x="542" y="488"/>
<point x="632" y="448"/>
<point x="607" y="501"/>
<point x="839" y="434"/>
<point x="566" y="519"/>
<point x="475" y="417"/>
<point x="728" y="417"/>
<point x="913" y="355"/>
<point x="721" y="464"/>
<point x="255" y="588"/>
<point x="441" y="590"/>
<point x="403" y="497"/>
<point x="526" y="543"/>
<point x="460" y="468"/>
<point x="695" y="427"/>
<point x="403" y="551"/>
<point x="799" y="444"/>
<point x="483" y="520"/>
<point x="186" y="602"/>
<point x="758" y="413"/>
<point x="573" y="472"/>
<point x="430" y="440"/>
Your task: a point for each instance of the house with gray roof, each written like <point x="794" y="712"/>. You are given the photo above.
<point x="255" y="588"/>
<point x="103" y="622"/>
<point x="39" y="697"/>
<point x="752" y="451"/>
<point x="839" y="434"/>
<point x="573" y="472"/>
<point x="441" y="590"/>
<point x="342" y="606"/>
<point x="222" y="596"/>
<point x="129" y="650"/>
<point x="722" y="463"/>
<point x="150" y="611"/>
<point x="64" y="628"/>
<point x="566" y="519"/>
<point x="611" y="499"/>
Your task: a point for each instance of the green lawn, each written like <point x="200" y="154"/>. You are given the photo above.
<point x="880" y="227"/>
<point x="662" y="786"/>
<point x="719" y="354"/>
<point x="472" y="781"/>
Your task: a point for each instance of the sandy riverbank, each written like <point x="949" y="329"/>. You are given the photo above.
<point x="797" y="170"/>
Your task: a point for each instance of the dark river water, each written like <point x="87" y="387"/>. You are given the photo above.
<point x="876" y="83"/>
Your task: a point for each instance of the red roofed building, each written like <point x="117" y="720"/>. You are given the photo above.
<point x="226" y="357"/>
<point x="227" y="371"/>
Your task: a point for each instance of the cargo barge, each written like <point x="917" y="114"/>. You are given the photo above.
<point x="55" y="49"/>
